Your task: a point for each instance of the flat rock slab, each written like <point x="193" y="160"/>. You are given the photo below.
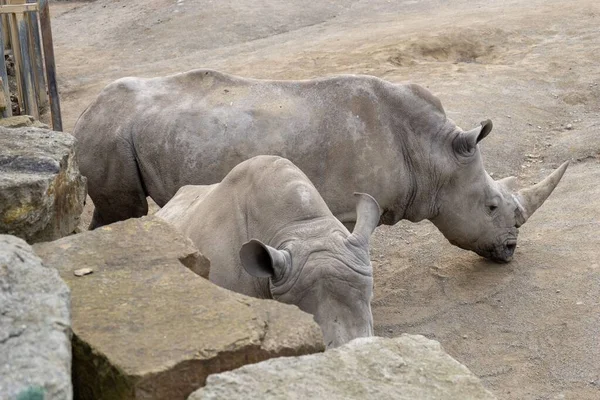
<point x="407" y="367"/>
<point x="41" y="190"/>
<point x="146" y="327"/>
<point x="35" y="345"/>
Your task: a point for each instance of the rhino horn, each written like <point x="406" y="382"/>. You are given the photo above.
<point x="530" y="199"/>
<point x="368" y="214"/>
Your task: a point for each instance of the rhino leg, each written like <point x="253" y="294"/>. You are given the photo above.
<point x="97" y="220"/>
<point x="114" y="184"/>
<point x="123" y="206"/>
<point x="128" y="200"/>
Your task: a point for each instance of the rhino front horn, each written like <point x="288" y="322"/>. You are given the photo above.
<point x="530" y="199"/>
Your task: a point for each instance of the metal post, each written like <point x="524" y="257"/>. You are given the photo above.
<point x="7" y="112"/>
<point x="50" y="65"/>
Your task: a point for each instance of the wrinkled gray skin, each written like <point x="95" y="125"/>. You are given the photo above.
<point x="269" y="234"/>
<point x="348" y="133"/>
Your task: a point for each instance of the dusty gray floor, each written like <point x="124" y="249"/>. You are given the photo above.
<point x="530" y="329"/>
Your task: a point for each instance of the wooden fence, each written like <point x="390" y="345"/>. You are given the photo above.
<point x="27" y="36"/>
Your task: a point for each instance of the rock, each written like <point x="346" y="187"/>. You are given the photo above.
<point x="146" y="327"/>
<point x="83" y="271"/>
<point x="22" y="121"/>
<point x="569" y="127"/>
<point x="406" y="367"/>
<point x="35" y="346"/>
<point x="41" y="190"/>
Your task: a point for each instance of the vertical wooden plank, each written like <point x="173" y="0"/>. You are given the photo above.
<point x="5" y="32"/>
<point x="36" y="56"/>
<point x="30" y="102"/>
<point x="7" y="112"/>
<point x="50" y="65"/>
<point x="16" y="49"/>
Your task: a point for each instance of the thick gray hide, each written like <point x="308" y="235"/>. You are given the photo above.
<point x="409" y="367"/>
<point x="347" y="133"/>
<point x="35" y="326"/>
<point x="268" y="234"/>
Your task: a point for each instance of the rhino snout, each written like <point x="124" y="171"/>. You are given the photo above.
<point x="503" y="253"/>
<point x="508" y="251"/>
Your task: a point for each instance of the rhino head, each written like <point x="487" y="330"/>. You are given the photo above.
<point x="326" y="273"/>
<point x="475" y="212"/>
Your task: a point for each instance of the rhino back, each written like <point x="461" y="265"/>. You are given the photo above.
<point x="347" y="133"/>
<point x="261" y="198"/>
<point x="204" y="123"/>
<point x="211" y="216"/>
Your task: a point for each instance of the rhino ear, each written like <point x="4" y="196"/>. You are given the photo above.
<point x="466" y="142"/>
<point x="368" y="213"/>
<point x="262" y="261"/>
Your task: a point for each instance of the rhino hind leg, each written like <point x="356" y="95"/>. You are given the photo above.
<point x="100" y="219"/>
<point x="97" y="220"/>
<point x="132" y="210"/>
<point x="115" y="184"/>
<point x="119" y="205"/>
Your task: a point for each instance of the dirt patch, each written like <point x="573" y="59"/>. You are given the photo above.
<point x="530" y="329"/>
<point x="588" y="96"/>
<point x="464" y="46"/>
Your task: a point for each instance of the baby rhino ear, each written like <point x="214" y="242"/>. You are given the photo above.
<point x="263" y="261"/>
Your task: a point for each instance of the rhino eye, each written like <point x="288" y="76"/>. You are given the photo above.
<point x="492" y="208"/>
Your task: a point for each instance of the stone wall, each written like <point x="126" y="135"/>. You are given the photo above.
<point x="145" y="322"/>
<point x="408" y="367"/>
<point x="147" y="327"/>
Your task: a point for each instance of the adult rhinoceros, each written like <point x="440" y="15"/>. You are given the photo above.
<point x="269" y="234"/>
<point x="149" y="137"/>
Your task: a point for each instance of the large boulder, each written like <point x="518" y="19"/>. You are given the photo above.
<point x="35" y="346"/>
<point x="147" y="327"/>
<point x="407" y="367"/>
<point x="41" y="190"/>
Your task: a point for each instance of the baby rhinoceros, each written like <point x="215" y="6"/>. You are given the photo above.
<point x="269" y="234"/>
